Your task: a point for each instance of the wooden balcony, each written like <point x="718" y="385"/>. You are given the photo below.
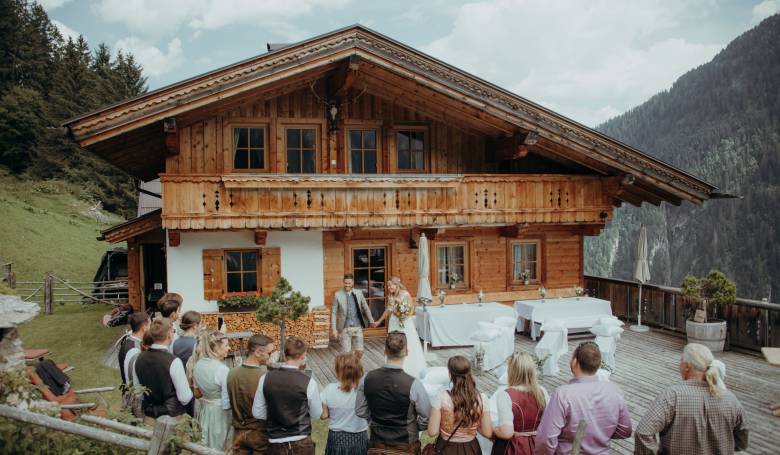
<point x="328" y="201"/>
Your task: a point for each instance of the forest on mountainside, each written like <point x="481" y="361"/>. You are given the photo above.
<point x="719" y="122"/>
<point x="45" y="79"/>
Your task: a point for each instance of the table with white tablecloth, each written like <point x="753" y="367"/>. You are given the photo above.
<point x="452" y="325"/>
<point x="580" y="309"/>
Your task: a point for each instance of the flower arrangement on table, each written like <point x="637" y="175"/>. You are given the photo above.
<point x="401" y="308"/>
<point x="239" y="301"/>
<point x="542" y="292"/>
<point x="579" y="292"/>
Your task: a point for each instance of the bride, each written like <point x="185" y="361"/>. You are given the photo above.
<point x="398" y="297"/>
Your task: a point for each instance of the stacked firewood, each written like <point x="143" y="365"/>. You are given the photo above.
<point x="311" y="327"/>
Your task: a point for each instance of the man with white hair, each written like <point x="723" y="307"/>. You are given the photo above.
<point x="697" y="416"/>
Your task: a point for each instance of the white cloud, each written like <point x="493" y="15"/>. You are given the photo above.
<point x="49" y="5"/>
<point x="765" y="9"/>
<point x="588" y="61"/>
<point x="153" y="19"/>
<point x="154" y="60"/>
<point x="65" y="31"/>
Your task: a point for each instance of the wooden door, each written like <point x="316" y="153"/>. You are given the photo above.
<point x="370" y="267"/>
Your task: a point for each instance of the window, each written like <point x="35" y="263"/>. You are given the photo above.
<point x="241" y="268"/>
<point x="410" y="146"/>
<point x="301" y="150"/>
<point x="525" y="261"/>
<point x="451" y="266"/>
<point x="248" y="148"/>
<point x="362" y="151"/>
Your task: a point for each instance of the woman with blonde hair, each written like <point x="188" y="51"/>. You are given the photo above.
<point x="209" y="375"/>
<point x="400" y="309"/>
<point x="459" y="413"/>
<point x="347" y="433"/>
<point x="520" y="408"/>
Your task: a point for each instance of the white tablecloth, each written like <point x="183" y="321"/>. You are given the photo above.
<point x="452" y="325"/>
<point x="539" y="311"/>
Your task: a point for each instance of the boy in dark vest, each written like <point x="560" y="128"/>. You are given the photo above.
<point x="139" y="322"/>
<point x="163" y="374"/>
<point x="251" y="436"/>
<point x="287" y="399"/>
<point x="394" y="403"/>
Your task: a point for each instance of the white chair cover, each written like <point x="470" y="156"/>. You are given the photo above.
<point x="607" y="346"/>
<point x="508" y="326"/>
<point x="555" y="343"/>
<point x="496" y="348"/>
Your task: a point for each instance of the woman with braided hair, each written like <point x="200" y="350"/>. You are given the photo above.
<point x="209" y="375"/>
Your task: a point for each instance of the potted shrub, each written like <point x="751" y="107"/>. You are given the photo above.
<point x="282" y="305"/>
<point x="241" y="301"/>
<point x="710" y="293"/>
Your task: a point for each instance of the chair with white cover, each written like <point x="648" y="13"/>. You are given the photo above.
<point x="509" y="326"/>
<point x="434" y="380"/>
<point x="555" y="343"/>
<point x="492" y="339"/>
<point x="607" y="333"/>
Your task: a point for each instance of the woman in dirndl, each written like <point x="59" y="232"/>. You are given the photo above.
<point x="348" y="433"/>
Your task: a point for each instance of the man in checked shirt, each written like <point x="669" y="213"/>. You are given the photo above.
<point x="694" y="417"/>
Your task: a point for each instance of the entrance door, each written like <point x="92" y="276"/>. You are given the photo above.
<point x="154" y="279"/>
<point x="369" y="265"/>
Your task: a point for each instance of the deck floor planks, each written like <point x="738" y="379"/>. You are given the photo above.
<point x="646" y="364"/>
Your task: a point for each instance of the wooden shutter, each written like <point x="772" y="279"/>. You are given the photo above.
<point x="270" y="268"/>
<point x="213" y="274"/>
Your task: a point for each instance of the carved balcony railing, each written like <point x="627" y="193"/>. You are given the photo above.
<point x="273" y="201"/>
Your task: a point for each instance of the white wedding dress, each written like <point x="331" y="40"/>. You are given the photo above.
<point x="415" y="359"/>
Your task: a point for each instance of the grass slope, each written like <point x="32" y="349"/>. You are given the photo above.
<point x="45" y="226"/>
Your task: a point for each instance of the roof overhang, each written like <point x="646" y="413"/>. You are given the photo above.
<point x="137" y="124"/>
<point x="133" y="228"/>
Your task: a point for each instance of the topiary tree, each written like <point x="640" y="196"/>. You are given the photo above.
<point x="714" y="289"/>
<point x="282" y="305"/>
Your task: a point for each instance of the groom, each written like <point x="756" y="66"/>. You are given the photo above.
<point x="395" y="404"/>
<point x="350" y="315"/>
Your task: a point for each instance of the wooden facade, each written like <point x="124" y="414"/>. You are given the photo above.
<point x="269" y="144"/>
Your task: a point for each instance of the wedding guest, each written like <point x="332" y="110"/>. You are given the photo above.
<point x="599" y="403"/>
<point x="250" y="434"/>
<point x="520" y="406"/>
<point x="132" y="398"/>
<point x="696" y="416"/>
<point x="139" y="323"/>
<point x="348" y="433"/>
<point x="185" y="343"/>
<point x="459" y="413"/>
<point x="395" y="404"/>
<point x="287" y="398"/>
<point x="349" y="316"/>
<point x="163" y="374"/>
<point x="210" y="377"/>
<point x="171" y="310"/>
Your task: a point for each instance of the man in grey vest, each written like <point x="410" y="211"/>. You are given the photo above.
<point x="287" y="399"/>
<point x="350" y="314"/>
<point x="395" y="404"/>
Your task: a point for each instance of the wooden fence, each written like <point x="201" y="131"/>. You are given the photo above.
<point x="53" y="289"/>
<point x="752" y="324"/>
<point x="153" y="442"/>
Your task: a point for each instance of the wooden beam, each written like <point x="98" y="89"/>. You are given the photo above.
<point x="515" y="147"/>
<point x="174" y="238"/>
<point x="430" y="234"/>
<point x="345" y="235"/>
<point x="514" y="231"/>
<point x="345" y="77"/>
<point x="260" y="237"/>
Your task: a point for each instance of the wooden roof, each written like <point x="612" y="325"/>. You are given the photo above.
<point x="133" y="228"/>
<point x="130" y="133"/>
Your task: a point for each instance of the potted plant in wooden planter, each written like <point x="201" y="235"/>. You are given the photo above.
<point x="711" y="292"/>
<point x="238" y="302"/>
<point x="281" y="306"/>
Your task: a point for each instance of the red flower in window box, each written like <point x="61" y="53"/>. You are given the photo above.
<point x="238" y="301"/>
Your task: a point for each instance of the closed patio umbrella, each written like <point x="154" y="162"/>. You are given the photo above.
<point x="641" y="275"/>
<point x="424" y="283"/>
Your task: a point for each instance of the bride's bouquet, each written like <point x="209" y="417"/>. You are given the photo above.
<point x="402" y="309"/>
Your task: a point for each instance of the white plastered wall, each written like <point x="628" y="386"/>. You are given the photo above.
<point x="301" y="256"/>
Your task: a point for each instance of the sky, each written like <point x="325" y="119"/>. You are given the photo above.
<point x="587" y="59"/>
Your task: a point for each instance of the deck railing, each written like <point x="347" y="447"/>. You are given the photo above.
<point x="752" y="324"/>
<point x="339" y="201"/>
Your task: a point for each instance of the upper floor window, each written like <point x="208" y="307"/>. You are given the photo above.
<point x="241" y="269"/>
<point x="410" y="148"/>
<point x="525" y="261"/>
<point x="248" y="148"/>
<point x="362" y="151"/>
<point x="301" y="150"/>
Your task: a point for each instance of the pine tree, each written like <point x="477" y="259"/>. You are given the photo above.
<point x="21" y="126"/>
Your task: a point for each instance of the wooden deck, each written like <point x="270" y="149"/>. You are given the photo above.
<point x="646" y="364"/>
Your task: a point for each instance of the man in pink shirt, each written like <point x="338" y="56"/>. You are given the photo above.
<point x="599" y="403"/>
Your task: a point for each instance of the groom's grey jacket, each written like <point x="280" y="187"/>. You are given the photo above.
<point x="339" y="309"/>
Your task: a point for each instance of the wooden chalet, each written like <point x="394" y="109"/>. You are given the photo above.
<point x="334" y="154"/>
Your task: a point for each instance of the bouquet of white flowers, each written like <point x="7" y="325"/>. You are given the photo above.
<point x="402" y="309"/>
